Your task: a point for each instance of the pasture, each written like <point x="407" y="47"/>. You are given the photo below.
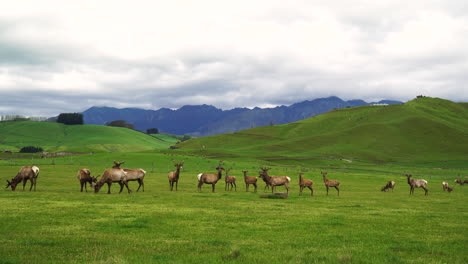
<point x="58" y="224"/>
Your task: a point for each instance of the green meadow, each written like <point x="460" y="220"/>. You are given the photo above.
<point x="58" y="224"/>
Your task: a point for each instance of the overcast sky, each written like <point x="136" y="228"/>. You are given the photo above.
<point x="66" y="56"/>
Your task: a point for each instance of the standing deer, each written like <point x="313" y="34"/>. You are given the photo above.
<point x="84" y="176"/>
<point x="390" y="185"/>
<point x="444" y="185"/>
<point x="264" y="178"/>
<point x="174" y="176"/>
<point x="330" y="183"/>
<point x="210" y="178"/>
<point x="249" y="180"/>
<point x="24" y="174"/>
<point x="303" y="183"/>
<point x="274" y="181"/>
<point x="230" y="181"/>
<point x="133" y="174"/>
<point x="461" y="182"/>
<point x="414" y="183"/>
<point x="112" y="175"/>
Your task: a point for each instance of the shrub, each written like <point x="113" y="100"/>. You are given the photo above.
<point x="70" y="119"/>
<point x="30" y="149"/>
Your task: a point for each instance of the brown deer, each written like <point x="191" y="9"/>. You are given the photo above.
<point x="390" y="185"/>
<point x="174" y="175"/>
<point x="330" y="183"/>
<point x="24" y="174"/>
<point x="449" y="189"/>
<point x="112" y="175"/>
<point x="303" y="183"/>
<point x="133" y="174"/>
<point x="264" y="178"/>
<point x="249" y="180"/>
<point x="230" y="181"/>
<point x="210" y="178"/>
<point x="414" y="183"/>
<point x="84" y="177"/>
<point x="274" y="181"/>
<point x="461" y="182"/>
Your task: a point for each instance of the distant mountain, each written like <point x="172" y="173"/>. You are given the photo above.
<point x="205" y="120"/>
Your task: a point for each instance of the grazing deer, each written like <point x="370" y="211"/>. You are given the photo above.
<point x="174" y="176"/>
<point x="112" y="175"/>
<point x="330" y="183"/>
<point x="303" y="183"/>
<point x="444" y="185"/>
<point x="24" y="174"/>
<point x="414" y="183"/>
<point x="249" y="180"/>
<point x="461" y="182"/>
<point x="390" y="185"/>
<point x="449" y="189"/>
<point x="133" y="174"/>
<point x="210" y="178"/>
<point x="274" y="181"/>
<point x="84" y="176"/>
<point x="230" y="181"/>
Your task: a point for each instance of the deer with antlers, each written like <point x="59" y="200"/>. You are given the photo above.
<point x="330" y="183"/>
<point x="133" y="174"/>
<point x="303" y="183"/>
<point x="110" y="176"/>
<point x="230" y="181"/>
<point x="415" y="183"/>
<point x="174" y="175"/>
<point x="274" y="181"/>
<point x="249" y="180"/>
<point x="24" y="174"/>
<point x="84" y="177"/>
<point x="210" y="178"/>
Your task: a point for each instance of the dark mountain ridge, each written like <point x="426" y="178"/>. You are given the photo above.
<point x="205" y="120"/>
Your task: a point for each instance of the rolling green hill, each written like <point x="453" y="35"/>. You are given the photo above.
<point x="424" y="129"/>
<point x="54" y="137"/>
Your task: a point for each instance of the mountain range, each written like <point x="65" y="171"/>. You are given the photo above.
<point x="205" y="120"/>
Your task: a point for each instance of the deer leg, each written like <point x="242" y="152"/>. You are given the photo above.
<point x="143" y="185"/>
<point x="81" y="183"/>
<point x="108" y="187"/>
<point x="300" y="190"/>
<point x="212" y="187"/>
<point x="287" y="188"/>
<point x="139" y="185"/>
<point x="176" y="184"/>
<point x="121" y="187"/>
<point x="327" y="189"/>
<point x="85" y="186"/>
<point x="32" y="183"/>
<point x="170" y="185"/>
<point x="35" y="181"/>
<point x="311" y="191"/>
<point x="246" y="187"/>
<point x="255" y="185"/>
<point x="336" y="187"/>
<point x="425" y="189"/>
<point x="199" y="186"/>
<point x="226" y="186"/>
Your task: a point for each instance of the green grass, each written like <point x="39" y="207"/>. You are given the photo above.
<point x="55" y="137"/>
<point x="59" y="224"/>
<point x="426" y="129"/>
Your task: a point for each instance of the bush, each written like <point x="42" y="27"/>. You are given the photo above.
<point x="119" y="123"/>
<point x="152" y="131"/>
<point x="30" y="149"/>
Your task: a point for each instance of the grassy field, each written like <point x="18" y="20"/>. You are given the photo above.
<point x="59" y="224"/>
<point x="55" y="137"/>
<point x="363" y="148"/>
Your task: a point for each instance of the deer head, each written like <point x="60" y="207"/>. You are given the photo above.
<point x="117" y="164"/>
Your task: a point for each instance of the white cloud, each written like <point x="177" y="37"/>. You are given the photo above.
<point x="154" y="54"/>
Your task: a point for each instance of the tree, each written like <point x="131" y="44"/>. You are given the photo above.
<point x="70" y="118"/>
<point x="152" y="131"/>
<point x="30" y="149"/>
<point x="119" y="123"/>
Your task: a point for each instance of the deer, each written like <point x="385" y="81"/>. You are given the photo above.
<point x="303" y="183"/>
<point x="444" y="185"/>
<point x="112" y="175"/>
<point x="449" y="189"/>
<point x="274" y="181"/>
<point x="84" y="177"/>
<point x="249" y="180"/>
<point x="390" y="185"/>
<point x="230" y="181"/>
<point x="330" y="183"/>
<point x="210" y="178"/>
<point x="414" y="183"/>
<point x="174" y="175"/>
<point x="133" y="174"/>
<point x="461" y="182"/>
<point x="24" y="174"/>
<point x="264" y="178"/>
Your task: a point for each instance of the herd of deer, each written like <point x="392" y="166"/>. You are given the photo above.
<point x="122" y="176"/>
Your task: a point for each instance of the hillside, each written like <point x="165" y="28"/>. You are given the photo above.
<point x="205" y="120"/>
<point x="54" y="137"/>
<point x="424" y="129"/>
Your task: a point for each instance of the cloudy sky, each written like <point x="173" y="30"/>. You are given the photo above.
<point x="66" y="56"/>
